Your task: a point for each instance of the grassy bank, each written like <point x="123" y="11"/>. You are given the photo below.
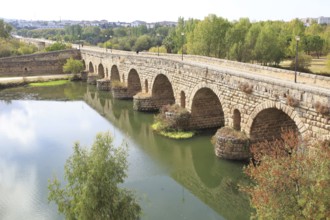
<point x="318" y="66"/>
<point x="172" y="134"/>
<point x="8" y="82"/>
<point x="49" y="83"/>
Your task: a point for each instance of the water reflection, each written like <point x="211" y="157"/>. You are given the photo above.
<point x="16" y="124"/>
<point x="191" y="163"/>
<point x="175" y="179"/>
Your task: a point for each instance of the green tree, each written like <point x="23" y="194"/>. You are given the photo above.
<point x="210" y="37"/>
<point x="73" y="66"/>
<point x="291" y="179"/>
<point x="313" y="43"/>
<point x="235" y="38"/>
<point x="56" y="46"/>
<point x="93" y="177"/>
<point x="5" y="29"/>
<point x="142" y="43"/>
<point x="270" y="45"/>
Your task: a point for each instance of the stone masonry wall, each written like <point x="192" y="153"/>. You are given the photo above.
<point x="266" y="92"/>
<point x="36" y="64"/>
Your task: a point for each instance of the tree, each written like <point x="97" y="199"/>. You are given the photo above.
<point x="56" y="46"/>
<point x="235" y="39"/>
<point x="73" y="66"/>
<point x="92" y="190"/>
<point x="142" y="43"/>
<point x="5" y="29"/>
<point x="291" y="179"/>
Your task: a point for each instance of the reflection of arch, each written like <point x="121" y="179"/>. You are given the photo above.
<point x="146" y="86"/>
<point x="237" y="120"/>
<point x="90" y="67"/>
<point x="207" y="168"/>
<point x="162" y="91"/>
<point x="183" y="99"/>
<point x="101" y="71"/>
<point x="268" y="119"/>
<point x="206" y="110"/>
<point x="133" y="83"/>
<point x="114" y="73"/>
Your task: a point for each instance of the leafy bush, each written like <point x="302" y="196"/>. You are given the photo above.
<point x="290" y="179"/>
<point x="93" y="178"/>
<point x="73" y="66"/>
<point x="57" y="46"/>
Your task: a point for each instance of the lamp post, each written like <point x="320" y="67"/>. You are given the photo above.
<point x="296" y="62"/>
<point x="182" y="34"/>
<point x="79" y="41"/>
<point x="158" y="43"/>
<point x="110" y="44"/>
<point x="105" y="43"/>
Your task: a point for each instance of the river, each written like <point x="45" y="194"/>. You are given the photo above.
<point x="174" y="179"/>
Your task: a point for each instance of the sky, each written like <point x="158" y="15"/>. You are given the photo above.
<point x="166" y="10"/>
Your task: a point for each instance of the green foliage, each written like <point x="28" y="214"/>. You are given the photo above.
<point x="93" y="177"/>
<point x="162" y="49"/>
<point x="142" y="43"/>
<point x="49" y="83"/>
<point x="73" y="66"/>
<point x="57" y="46"/>
<point x="5" y="29"/>
<point x="291" y="179"/>
<point x="172" y="122"/>
<point x="12" y="47"/>
<point x="157" y="126"/>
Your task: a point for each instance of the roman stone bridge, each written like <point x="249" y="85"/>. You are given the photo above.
<point x="257" y="100"/>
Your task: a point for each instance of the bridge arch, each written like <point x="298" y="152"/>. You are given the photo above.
<point x="91" y="67"/>
<point x="162" y="91"/>
<point x="133" y="83"/>
<point x="206" y="109"/>
<point x="100" y="71"/>
<point x="114" y="73"/>
<point x="269" y="119"/>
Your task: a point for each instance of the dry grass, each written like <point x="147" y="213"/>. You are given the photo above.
<point x="318" y="66"/>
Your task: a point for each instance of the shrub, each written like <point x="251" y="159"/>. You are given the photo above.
<point x="117" y="84"/>
<point x="289" y="179"/>
<point x="322" y="108"/>
<point x="246" y="87"/>
<point x="291" y="101"/>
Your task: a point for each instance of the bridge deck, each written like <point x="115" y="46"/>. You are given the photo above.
<point x="281" y="76"/>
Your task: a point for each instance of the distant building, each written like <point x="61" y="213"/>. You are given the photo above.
<point x="323" y="20"/>
<point x="319" y="20"/>
<point x="137" y="23"/>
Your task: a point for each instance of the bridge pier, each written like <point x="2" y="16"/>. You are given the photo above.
<point x="103" y="84"/>
<point x="144" y="103"/>
<point x="231" y="144"/>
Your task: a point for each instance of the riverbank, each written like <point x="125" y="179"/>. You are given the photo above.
<point x="7" y="82"/>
